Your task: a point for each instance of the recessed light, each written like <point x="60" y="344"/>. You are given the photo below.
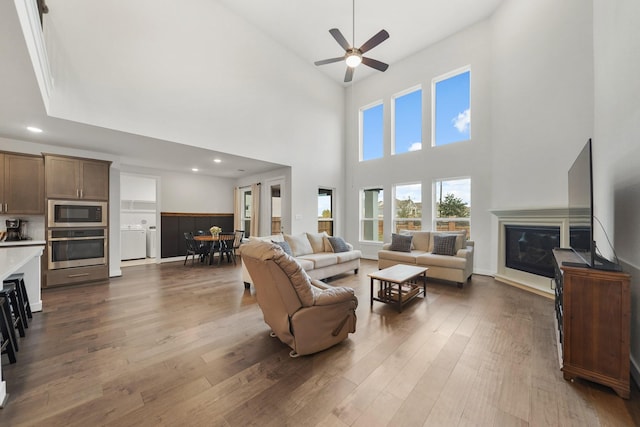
<point x="34" y="129"/>
<point x="194" y="169"/>
<point x="217" y="161"/>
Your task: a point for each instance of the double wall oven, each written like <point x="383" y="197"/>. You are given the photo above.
<point x="77" y="233"/>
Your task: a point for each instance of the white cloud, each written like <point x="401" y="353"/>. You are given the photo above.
<point x="463" y="121"/>
<point x="415" y="146"/>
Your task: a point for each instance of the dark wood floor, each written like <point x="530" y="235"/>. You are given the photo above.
<point x="174" y="345"/>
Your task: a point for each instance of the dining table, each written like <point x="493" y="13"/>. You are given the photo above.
<point x="224" y="241"/>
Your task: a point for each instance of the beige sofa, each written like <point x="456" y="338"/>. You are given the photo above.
<point x="305" y="314"/>
<point x="315" y="255"/>
<point x="456" y="268"/>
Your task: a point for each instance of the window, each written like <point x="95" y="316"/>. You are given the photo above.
<point x="325" y="211"/>
<point x="276" y="210"/>
<point x="407" y="122"/>
<point x="453" y="205"/>
<point x="407" y="207"/>
<point x="371" y="127"/>
<point x="451" y="108"/>
<point x="372" y="215"/>
<point x="246" y="211"/>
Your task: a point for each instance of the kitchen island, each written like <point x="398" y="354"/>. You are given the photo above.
<point x="22" y="259"/>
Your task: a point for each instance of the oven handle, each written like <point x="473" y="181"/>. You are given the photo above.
<point x="66" y="239"/>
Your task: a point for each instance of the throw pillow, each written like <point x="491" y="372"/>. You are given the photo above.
<point x="285" y="247"/>
<point x="317" y="241"/>
<point x="444" y="244"/>
<point x="400" y="243"/>
<point x="338" y="244"/>
<point x="299" y="244"/>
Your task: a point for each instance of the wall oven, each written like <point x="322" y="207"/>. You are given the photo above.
<point x="77" y="213"/>
<point x="76" y="247"/>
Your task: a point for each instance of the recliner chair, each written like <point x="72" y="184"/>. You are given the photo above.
<point x="307" y="315"/>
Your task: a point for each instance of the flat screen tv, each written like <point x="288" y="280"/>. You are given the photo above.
<point x="581" y="206"/>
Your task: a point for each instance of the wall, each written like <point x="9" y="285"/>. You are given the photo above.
<point x="616" y="148"/>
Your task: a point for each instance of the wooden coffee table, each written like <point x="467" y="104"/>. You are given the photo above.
<point x="398" y="284"/>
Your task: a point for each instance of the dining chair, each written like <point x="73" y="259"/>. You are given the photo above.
<point x="192" y="248"/>
<point x="237" y="242"/>
<point x="227" y="240"/>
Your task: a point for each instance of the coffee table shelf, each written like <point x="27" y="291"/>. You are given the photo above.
<point x="397" y="285"/>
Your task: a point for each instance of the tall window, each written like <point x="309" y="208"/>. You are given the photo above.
<point x="276" y="210"/>
<point x="325" y="211"/>
<point x="372" y="214"/>
<point x="407" y="121"/>
<point x="407" y="211"/>
<point x="371" y="127"/>
<point x="453" y="205"/>
<point x="451" y="108"/>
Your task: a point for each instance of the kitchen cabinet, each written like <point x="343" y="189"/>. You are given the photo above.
<point x="75" y="178"/>
<point x="22" y="187"/>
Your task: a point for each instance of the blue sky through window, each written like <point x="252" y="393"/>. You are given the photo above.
<point x="452" y="109"/>
<point x="372" y="144"/>
<point x="408" y="122"/>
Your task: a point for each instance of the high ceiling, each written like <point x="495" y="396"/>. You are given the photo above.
<point x="301" y="27"/>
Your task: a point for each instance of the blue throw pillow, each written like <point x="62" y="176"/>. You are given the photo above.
<point x="400" y="243"/>
<point x="285" y="247"/>
<point x="338" y="244"/>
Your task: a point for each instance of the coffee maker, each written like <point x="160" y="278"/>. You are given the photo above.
<point x="16" y="229"/>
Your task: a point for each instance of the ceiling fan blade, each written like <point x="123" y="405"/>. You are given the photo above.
<point x="348" y="76"/>
<point x="374" y="41"/>
<point x="381" y="66"/>
<point x="329" y="61"/>
<point x="340" y="38"/>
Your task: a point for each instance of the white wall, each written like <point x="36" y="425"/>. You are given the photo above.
<point x="616" y="147"/>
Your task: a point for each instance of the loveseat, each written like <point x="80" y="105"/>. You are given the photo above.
<point x="315" y="253"/>
<point x="448" y="255"/>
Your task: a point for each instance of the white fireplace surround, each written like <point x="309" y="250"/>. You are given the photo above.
<point x="556" y="217"/>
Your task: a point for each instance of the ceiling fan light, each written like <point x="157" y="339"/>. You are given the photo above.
<point x="353" y="60"/>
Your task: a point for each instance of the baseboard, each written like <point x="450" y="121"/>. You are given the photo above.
<point x="508" y="281"/>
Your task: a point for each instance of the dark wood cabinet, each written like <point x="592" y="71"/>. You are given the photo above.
<point x="75" y="178"/>
<point x="593" y="308"/>
<point x="22" y="187"/>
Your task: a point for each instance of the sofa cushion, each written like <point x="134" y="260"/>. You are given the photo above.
<point x="349" y="255"/>
<point x="322" y="259"/>
<point x="338" y="244"/>
<point x="317" y="241"/>
<point x="299" y="244"/>
<point x="285" y="247"/>
<point x="400" y="243"/>
<point x="431" y="260"/>
<point x="421" y="239"/>
<point x="444" y="244"/>
<point x="402" y="257"/>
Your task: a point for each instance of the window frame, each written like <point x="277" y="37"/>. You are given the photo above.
<point x="393" y="117"/>
<point x="449" y="220"/>
<point x="331" y="220"/>
<point x="361" y="141"/>
<point x="362" y="218"/>
<point x="394" y="199"/>
<point x="434" y="82"/>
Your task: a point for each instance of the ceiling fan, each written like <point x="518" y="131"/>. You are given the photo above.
<point x="353" y="55"/>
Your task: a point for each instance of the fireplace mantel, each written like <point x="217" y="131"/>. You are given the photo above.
<point x="529" y="217"/>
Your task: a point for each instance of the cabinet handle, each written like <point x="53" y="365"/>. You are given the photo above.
<point x="81" y="194"/>
<point x="77" y="193"/>
<point x="78" y="275"/>
<point x="6" y="207"/>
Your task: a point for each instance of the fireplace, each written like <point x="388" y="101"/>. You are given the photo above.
<point x="528" y="248"/>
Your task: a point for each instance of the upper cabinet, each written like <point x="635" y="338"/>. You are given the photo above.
<point x="22" y="189"/>
<point x="74" y="178"/>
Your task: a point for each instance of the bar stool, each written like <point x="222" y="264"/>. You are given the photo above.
<point x="16" y="316"/>
<point x="7" y="333"/>
<point x="18" y="280"/>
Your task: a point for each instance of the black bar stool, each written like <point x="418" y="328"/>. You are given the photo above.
<point x="18" y="280"/>
<point x="7" y="331"/>
<point x="17" y="315"/>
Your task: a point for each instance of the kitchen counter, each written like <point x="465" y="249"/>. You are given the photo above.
<point x="22" y="259"/>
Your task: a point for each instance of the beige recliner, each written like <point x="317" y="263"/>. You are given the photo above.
<point x="307" y="315"/>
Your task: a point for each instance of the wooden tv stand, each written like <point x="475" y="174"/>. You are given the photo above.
<point x="593" y="309"/>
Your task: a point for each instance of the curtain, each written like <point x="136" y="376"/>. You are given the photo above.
<point x="237" y="210"/>
<point x="255" y="210"/>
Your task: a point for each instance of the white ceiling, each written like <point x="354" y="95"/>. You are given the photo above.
<point x="300" y="26"/>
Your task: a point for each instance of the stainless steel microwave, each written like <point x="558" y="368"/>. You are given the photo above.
<point x="77" y="213"/>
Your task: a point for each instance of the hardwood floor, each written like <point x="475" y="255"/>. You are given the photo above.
<point x="174" y="345"/>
